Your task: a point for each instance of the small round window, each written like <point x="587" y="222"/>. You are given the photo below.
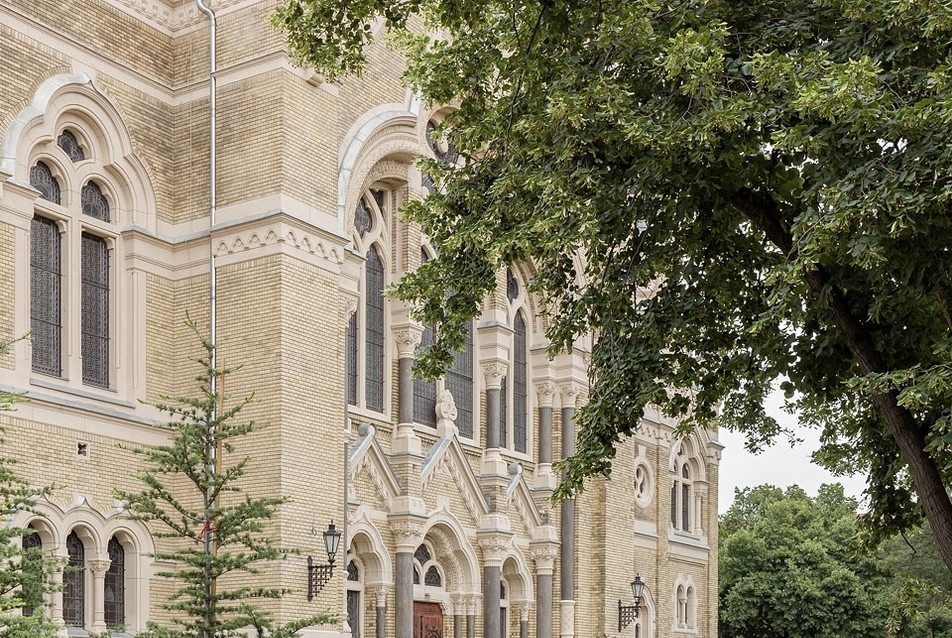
<point x="644" y="488"/>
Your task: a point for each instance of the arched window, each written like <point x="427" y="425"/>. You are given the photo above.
<point x="520" y="389"/>
<point x="690" y="609"/>
<point x="32" y="588"/>
<point x="95" y="311"/>
<point x="41" y="178"/>
<point x="682" y="486"/>
<point x="354" y="586"/>
<point x="46" y="276"/>
<point x="74" y="578"/>
<point x="70" y="145"/>
<point x="424" y="392"/>
<point x="459" y="381"/>
<point x="114" y="588"/>
<point x="681" y="605"/>
<point x="374" y="332"/>
<point x="425" y="564"/>
<point x="94" y="203"/>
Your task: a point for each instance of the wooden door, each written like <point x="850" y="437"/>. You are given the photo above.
<point x="427" y="620"/>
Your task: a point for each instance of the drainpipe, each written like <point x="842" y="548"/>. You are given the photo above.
<point x="208" y="540"/>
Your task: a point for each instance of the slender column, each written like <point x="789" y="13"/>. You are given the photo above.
<point x="523" y="621"/>
<point x="98" y="569"/>
<point x="544" y="555"/>
<point x="493" y="546"/>
<point x="568" y="392"/>
<point x="471" y="618"/>
<point x="458" y="608"/>
<point x="381" y="625"/>
<point x="407" y="338"/>
<point x="408" y="534"/>
<point x="494" y="373"/>
<point x="56" y="602"/>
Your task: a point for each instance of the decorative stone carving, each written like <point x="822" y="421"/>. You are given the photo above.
<point x="99" y="566"/>
<point x="546" y="391"/>
<point x="495" y="547"/>
<point x="544" y="556"/>
<point x="494" y="372"/>
<point x="569" y="392"/>
<point x="407" y="339"/>
<point x="446" y="407"/>
<point x="408" y="534"/>
<point x="380" y="593"/>
<point x="349" y="306"/>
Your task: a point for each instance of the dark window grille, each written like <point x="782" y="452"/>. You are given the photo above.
<point x="363" y="219"/>
<point x="95" y="311"/>
<point x="374" y="334"/>
<point x="74" y="591"/>
<point x="46" y="296"/>
<point x="350" y="345"/>
<point x="459" y="381"/>
<point x="114" y="593"/>
<point x="422" y="554"/>
<point x="32" y="588"/>
<point x="41" y="178"/>
<point x="674" y="505"/>
<point x="353" y="612"/>
<point x="443" y="150"/>
<point x="353" y="572"/>
<point x="432" y="577"/>
<point x="503" y="411"/>
<point x="94" y="203"/>
<point x="424" y="392"/>
<point x="416" y="576"/>
<point x="379" y="197"/>
<point x="512" y="286"/>
<point x="427" y="182"/>
<point x="520" y="390"/>
<point x="685" y="500"/>
<point x="70" y="145"/>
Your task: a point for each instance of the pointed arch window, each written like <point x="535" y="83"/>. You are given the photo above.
<point x="46" y="276"/>
<point x="459" y="381"/>
<point x="70" y="145"/>
<point x="374" y="333"/>
<point x="94" y="202"/>
<point x="354" y="586"/>
<point x="41" y="178"/>
<point x="32" y="588"/>
<point x="114" y="587"/>
<point x="74" y="577"/>
<point x="520" y="390"/>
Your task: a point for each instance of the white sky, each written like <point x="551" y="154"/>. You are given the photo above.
<point x="778" y="465"/>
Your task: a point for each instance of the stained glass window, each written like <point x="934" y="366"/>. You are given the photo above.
<point x="41" y="178"/>
<point x="115" y="585"/>
<point x="70" y="145"/>
<point x="94" y="204"/>
<point x="95" y="311"/>
<point x="422" y="554"/>
<point x="432" y="577"/>
<point x="353" y="572"/>
<point x="512" y="286"/>
<point x="363" y="218"/>
<point x="374" y="334"/>
<point x="46" y="296"/>
<point x="74" y="576"/>
<point x="520" y="388"/>
<point x="32" y="569"/>
<point x="459" y="381"/>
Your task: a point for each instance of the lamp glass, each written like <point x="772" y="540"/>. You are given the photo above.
<point x="331" y="541"/>
<point x="637" y="588"/>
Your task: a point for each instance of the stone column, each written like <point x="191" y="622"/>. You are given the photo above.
<point x="493" y="546"/>
<point x="543" y="554"/>
<point x="407" y="337"/>
<point x="545" y="391"/>
<point x="568" y="392"/>
<point x="381" y="607"/>
<point x="98" y="569"/>
<point x="408" y="534"/>
<point x="458" y="608"/>
<point x="494" y="372"/>
<point x="56" y="598"/>
<point x="471" y="618"/>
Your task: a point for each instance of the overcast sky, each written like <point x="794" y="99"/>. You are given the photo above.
<point x="778" y="465"/>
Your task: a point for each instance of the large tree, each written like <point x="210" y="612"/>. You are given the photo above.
<point x="726" y="194"/>
<point x="788" y="568"/>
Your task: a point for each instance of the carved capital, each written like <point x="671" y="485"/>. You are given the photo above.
<point x="407" y="534"/>
<point x="546" y="392"/>
<point x="494" y="547"/>
<point x="348" y="307"/>
<point x="544" y="557"/>
<point x="380" y="593"/>
<point x="98" y="566"/>
<point x="494" y="371"/>
<point x="569" y="392"/>
<point x="407" y="339"/>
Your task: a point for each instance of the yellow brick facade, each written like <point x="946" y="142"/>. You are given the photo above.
<point x="296" y="157"/>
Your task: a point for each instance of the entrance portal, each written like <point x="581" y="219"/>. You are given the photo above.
<point x="427" y="620"/>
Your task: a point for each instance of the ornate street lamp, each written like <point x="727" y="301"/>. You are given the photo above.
<point x="627" y="613"/>
<point x="319" y="575"/>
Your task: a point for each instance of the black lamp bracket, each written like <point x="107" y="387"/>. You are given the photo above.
<point x="626" y="613"/>
<point x="317" y="577"/>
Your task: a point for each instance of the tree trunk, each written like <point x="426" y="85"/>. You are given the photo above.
<point x="900" y="423"/>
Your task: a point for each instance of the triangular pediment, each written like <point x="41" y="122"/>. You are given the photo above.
<point x="519" y="496"/>
<point x="369" y="458"/>
<point x="447" y="456"/>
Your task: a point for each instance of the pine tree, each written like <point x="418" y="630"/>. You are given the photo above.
<point x="24" y="569"/>
<point x="191" y="497"/>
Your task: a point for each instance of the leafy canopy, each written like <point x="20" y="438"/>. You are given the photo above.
<point x="725" y="194"/>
